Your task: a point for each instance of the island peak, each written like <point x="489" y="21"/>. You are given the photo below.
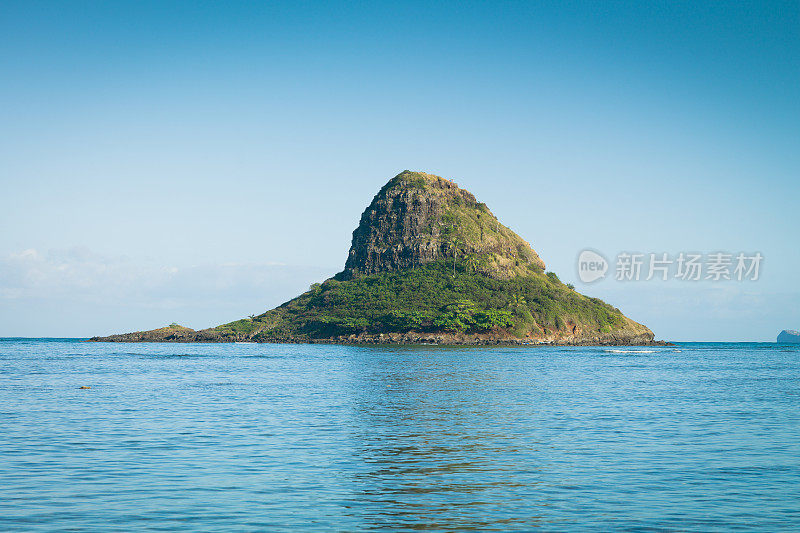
<point x="417" y="218"/>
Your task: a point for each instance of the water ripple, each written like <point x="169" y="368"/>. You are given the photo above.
<point x="282" y="437"/>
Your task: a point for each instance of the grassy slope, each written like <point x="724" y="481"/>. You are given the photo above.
<point x="432" y="298"/>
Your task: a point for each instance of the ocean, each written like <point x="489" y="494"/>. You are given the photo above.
<point x="259" y="437"/>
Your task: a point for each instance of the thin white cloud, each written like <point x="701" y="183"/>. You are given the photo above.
<point x="714" y="312"/>
<point x="81" y="273"/>
<point x="78" y="286"/>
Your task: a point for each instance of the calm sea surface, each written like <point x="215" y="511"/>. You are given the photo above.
<point x="219" y="437"/>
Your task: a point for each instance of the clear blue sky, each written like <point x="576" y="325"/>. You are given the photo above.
<point x="201" y="161"/>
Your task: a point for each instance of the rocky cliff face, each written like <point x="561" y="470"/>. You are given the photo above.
<point x="417" y="218"/>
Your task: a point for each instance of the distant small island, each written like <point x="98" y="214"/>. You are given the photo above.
<point x="429" y="264"/>
<point x="789" y="336"/>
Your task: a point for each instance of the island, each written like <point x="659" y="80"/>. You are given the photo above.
<point x="789" y="336"/>
<point x="429" y="264"/>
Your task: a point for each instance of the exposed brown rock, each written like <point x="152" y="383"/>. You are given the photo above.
<point x="417" y="218"/>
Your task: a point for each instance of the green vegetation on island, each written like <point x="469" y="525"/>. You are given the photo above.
<point x="431" y="298"/>
<point x="429" y="263"/>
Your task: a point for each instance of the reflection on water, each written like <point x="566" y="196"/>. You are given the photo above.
<point x="432" y="448"/>
<point x="263" y="437"/>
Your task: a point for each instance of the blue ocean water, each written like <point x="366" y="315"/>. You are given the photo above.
<point x="246" y="437"/>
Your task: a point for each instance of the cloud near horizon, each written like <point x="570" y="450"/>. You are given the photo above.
<point x="76" y="292"/>
<point x="71" y="285"/>
<point x="704" y="311"/>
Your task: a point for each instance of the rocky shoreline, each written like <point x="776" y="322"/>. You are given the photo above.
<point x="187" y="335"/>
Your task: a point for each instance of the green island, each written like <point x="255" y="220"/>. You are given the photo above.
<point x="429" y="264"/>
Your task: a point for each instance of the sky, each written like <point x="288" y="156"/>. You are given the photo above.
<point x="197" y="162"/>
